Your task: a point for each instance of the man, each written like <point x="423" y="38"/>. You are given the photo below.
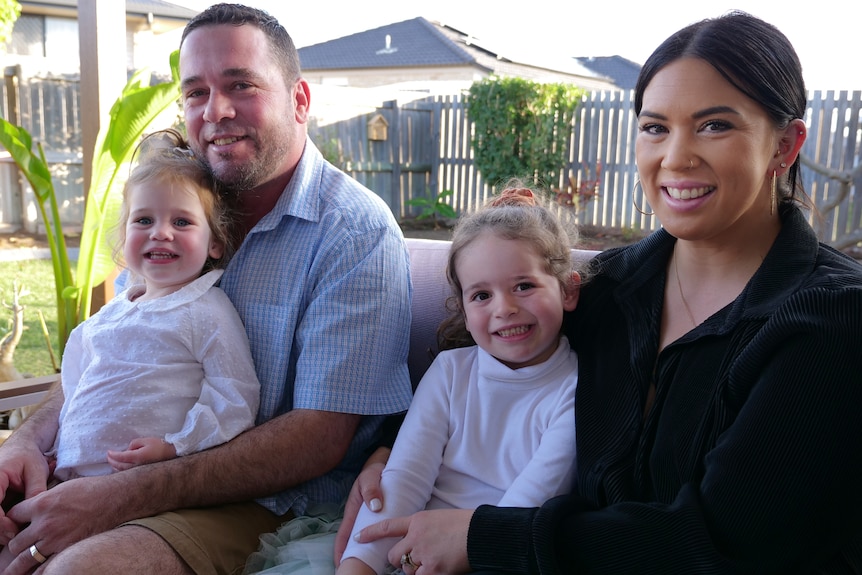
<point x="321" y="281"/>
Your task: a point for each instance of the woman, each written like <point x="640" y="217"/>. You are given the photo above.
<point x="720" y="361"/>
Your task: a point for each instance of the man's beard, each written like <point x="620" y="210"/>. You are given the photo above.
<point x="241" y="177"/>
<point x="236" y="178"/>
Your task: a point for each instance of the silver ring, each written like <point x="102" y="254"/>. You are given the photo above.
<point x="407" y="560"/>
<point x="690" y="164"/>
<point x="34" y="553"/>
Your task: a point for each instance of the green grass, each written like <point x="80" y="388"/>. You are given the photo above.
<point x="37" y="277"/>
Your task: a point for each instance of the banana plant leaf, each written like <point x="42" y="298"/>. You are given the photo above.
<point x="34" y="167"/>
<point x="133" y="112"/>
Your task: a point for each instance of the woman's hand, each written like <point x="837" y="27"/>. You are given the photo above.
<point x="435" y="540"/>
<point x="366" y="489"/>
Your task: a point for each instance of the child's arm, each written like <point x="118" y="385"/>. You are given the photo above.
<point x="414" y="465"/>
<point x="141" y="451"/>
<point x="230" y="392"/>
<point x="551" y="469"/>
<point x="353" y="566"/>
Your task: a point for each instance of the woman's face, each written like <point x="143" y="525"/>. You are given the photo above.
<point x="705" y="154"/>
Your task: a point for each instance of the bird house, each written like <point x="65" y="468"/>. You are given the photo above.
<point x="378" y="128"/>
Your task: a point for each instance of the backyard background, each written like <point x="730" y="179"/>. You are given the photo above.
<point x="419" y="147"/>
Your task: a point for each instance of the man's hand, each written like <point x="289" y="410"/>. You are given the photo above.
<point x="57" y="518"/>
<point x="24" y="471"/>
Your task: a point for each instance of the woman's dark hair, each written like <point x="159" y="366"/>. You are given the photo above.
<point x="754" y="56"/>
<point x="284" y="51"/>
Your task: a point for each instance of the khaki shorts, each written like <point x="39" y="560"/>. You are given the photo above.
<point x="214" y="540"/>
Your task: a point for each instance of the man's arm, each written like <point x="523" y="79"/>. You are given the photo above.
<point x="281" y="453"/>
<point x="274" y="456"/>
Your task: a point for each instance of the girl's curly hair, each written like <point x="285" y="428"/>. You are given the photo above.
<point x="517" y="213"/>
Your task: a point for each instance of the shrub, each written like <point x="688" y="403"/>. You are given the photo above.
<point x="522" y="129"/>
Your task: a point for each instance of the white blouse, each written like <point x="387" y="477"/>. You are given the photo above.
<point x="176" y="367"/>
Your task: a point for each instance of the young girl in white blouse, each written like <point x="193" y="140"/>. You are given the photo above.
<point x="164" y="369"/>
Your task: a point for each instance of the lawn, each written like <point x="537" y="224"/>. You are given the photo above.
<point x="37" y="277"/>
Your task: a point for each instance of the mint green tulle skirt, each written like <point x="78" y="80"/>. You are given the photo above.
<point x="304" y="545"/>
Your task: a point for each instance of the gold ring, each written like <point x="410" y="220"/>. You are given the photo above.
<point x="407" y="560"/>
<point x="34" y="553"/>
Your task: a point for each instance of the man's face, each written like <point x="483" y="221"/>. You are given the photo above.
<point x="240" y="116"/>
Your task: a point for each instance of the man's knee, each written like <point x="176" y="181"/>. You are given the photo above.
<point x="128" y="549"/>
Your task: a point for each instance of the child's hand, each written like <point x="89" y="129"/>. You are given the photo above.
<point x="141" y="450"/>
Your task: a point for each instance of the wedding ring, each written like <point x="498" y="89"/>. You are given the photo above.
<point x="34" y="553"/>
<point x="407" y="560"/>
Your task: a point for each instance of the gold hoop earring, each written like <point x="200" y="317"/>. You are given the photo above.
<point x="773" y="194"/>
<point x="634" y="202"/>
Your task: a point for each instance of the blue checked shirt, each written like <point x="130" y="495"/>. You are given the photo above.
<point x="322" y="284"/>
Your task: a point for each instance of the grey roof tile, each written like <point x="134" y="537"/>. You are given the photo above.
<point x="623" y="72"/>
<point x="412" y="43"/>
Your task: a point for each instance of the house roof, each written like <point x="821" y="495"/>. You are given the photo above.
<point x="158" y="8"/>
<point x="419" y="42"/>
<point x="415" y="42"/>
<point x="623" y="72"/>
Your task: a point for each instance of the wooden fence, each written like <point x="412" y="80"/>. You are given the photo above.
<point x="420" y="148"/>
<point x="49" y="109"/>
<point x="428" y="151"/>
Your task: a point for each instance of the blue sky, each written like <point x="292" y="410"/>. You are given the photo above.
<point x="826" y="38"/>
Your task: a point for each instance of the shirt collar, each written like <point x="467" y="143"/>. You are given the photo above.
<point x="301" y="197"/>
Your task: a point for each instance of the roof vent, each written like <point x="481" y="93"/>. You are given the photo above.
<point x="388" y="49"/>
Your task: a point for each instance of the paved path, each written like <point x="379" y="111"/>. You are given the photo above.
<point x="19" y="254"/>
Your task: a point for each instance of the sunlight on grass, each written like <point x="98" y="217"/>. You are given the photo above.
<point x="31" y="355"/>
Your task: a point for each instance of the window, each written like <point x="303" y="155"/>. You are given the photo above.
<point x="46" y="37"/>
<point x="28" y="36"/>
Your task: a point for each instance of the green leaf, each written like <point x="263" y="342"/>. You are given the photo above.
<point x="133" y="112"/>
<point x="419" y="202"/>
<point x="19" y="144"/>
<point x="446" y="211"/>
<point x="521" y="128"/>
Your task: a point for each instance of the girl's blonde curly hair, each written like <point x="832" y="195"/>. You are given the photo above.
<point x="164" y="157"/>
